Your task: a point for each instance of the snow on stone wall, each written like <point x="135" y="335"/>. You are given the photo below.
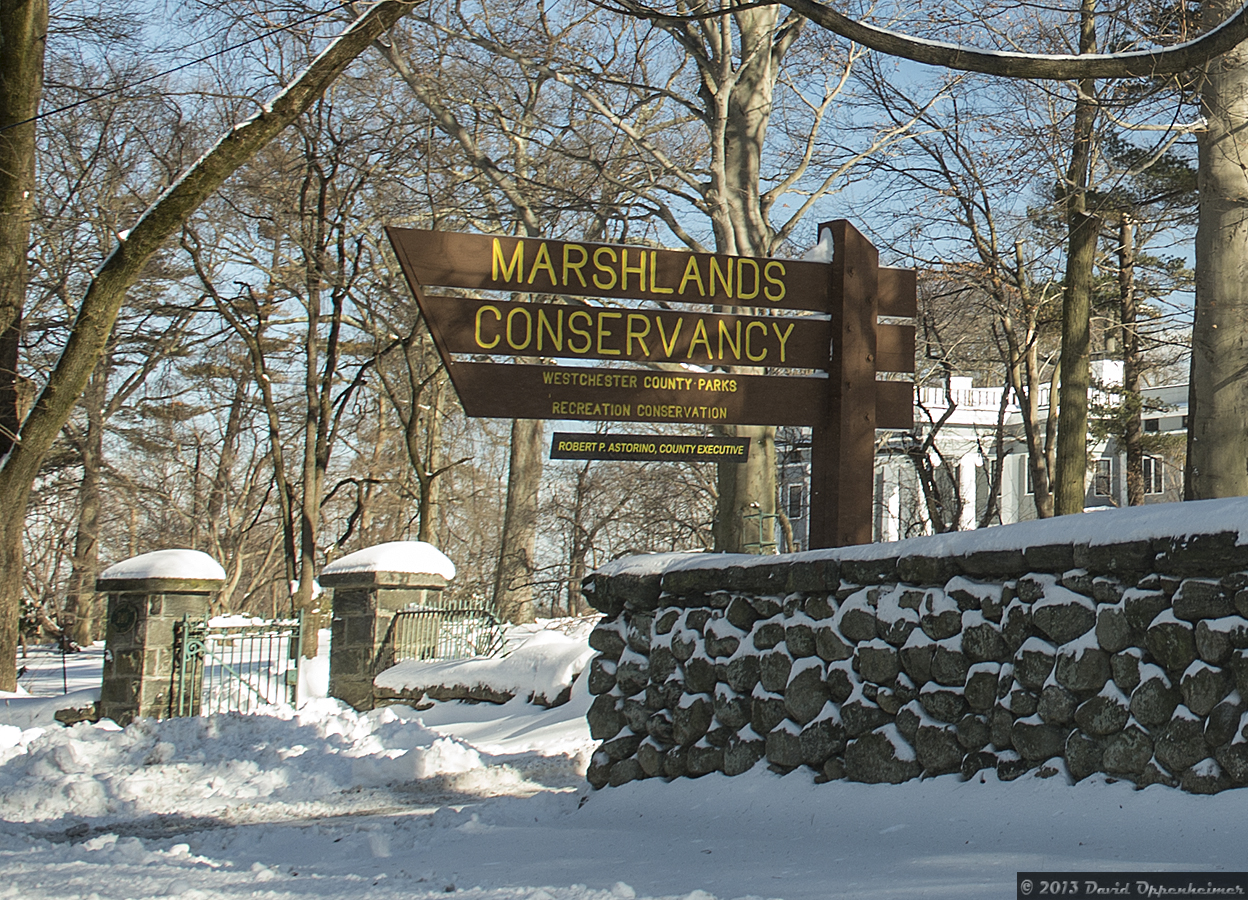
<point x="1128" y="658"/>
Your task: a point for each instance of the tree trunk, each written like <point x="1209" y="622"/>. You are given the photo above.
<point x="747" y="489"/>
<point x="1217" y="441"/>
<point x="1072" y="423"/>
<point x="513" y="581"/>
<point x="430" y="460"/>
<point x="1072" y="416"/>
<point x="23" y="34"/>
<point x="80" y="598"/>
<point x="1133" y="432"/>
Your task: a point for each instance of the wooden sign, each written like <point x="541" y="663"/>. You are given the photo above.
<point x="809" y="330"/>
<point x="648" y="447"/>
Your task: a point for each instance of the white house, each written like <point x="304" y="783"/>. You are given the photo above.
<point x="960" y="475"/>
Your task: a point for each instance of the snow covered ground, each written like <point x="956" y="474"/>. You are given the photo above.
<point x="490" y="802"/>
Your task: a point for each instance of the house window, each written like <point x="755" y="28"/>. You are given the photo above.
<point x="793" y="502"/>
<point x="1152" y="425"/>
<point x="1031" y="487"/>
<point x="1102" y="483"/>
<point x="1154" y="483"/>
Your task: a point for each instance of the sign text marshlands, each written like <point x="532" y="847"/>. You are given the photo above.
<point x="730" y="277"/>
<point x="537" y="265"/>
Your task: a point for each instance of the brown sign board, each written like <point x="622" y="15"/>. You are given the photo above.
<point x="648" y="447"/>
<point x="506" y="391"/>
<point x="843" y="402"/>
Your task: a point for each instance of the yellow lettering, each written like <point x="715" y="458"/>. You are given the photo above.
<point x="725" y="278"/>
<point x="700" y="337"/>
<point x="481" y="311"/>
<point x="741" y="265"/>
<point x="585" y="334"/>
<point x="575" y="267"/>
<point x="639" y="335"/>
<point x="528" y="328"/>
<point x="784" y="338"/>
<point x="691" y="272"/>
<point x="654" y="273"/>
<point x="556" y="334"/>
<point x="603" y="333"/>
<point x="723" y="335"/>
<point x="542" y="261"/>
<point x="497" y="262"/>
<point x="598" y="255"/>
<point x="668" y="348"/>
<point x="779" y="295"/>
<point x="748" y="330"/>
<point x="639" y="270"/>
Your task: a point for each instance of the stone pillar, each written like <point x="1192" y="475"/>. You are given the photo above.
<point x="369" y="588"/>
<point x="147" y="595"/>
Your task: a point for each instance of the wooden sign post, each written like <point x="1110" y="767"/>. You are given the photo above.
<point x="816" y="320"/>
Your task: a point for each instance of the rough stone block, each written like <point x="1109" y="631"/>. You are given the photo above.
<point x="937" y="750"/>
<point x="1062" y="615"/>
<point x="1154" y="701"/>
<point x="1103" y="715"/>
<point x="1049" y="558"/>
<point x="1181" y="743"/>
<point x="1084" y="755"/>
<point x="1128" y="752"/>
<point x="806" y="694"/>
<point x="869" y="571"/>
<point x="878" y="662"/>
<point x="1127" y="558"/>
<point x="1201" y="598"/>
<point x="1202" y="555"/>
<point x="1037" y="740"/>
<point x="926" y="570"/>
<point x="881" y="757"/>
<point x="742" y="755"/>
<point x="1082" y="669"/>
<point x="1204" y="686"/>
<point x="992" y="563"/>
<point x="1172" y="643"/>
<point x="1112" y="631"/>
<point x="1057" y="705"/>
<point x="692" y="718"/>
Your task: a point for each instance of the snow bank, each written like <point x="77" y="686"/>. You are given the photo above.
<point x="413" y="557"/>
<point x="239" y="767"/>
<point x="546" y="659"/>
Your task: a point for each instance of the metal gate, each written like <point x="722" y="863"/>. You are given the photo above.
<point x="448" y="631"/>
<point x="234" y="668"/>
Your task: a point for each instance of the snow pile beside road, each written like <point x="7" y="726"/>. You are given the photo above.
<point x="324" y="757"/>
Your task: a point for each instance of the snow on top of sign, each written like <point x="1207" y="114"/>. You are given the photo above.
<point x="1139" y="523"/>
<point x="414" y="557"/>
<point x="167" y="564"/>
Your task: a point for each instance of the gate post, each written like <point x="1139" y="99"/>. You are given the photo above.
<point x="369" y="587"/>
<point x="147" y="595"/>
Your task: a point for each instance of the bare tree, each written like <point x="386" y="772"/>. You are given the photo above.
<point x="107" y="290"/>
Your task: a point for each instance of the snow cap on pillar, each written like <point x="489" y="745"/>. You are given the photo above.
<point x="163" y="570"/>
<point x="394" y="564"/>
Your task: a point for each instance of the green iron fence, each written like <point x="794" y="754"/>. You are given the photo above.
<point x="234" y="668"/>
<point x="450" y="630"/>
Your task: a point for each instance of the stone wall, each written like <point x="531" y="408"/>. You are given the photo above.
<point x="1123" y="655"/>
